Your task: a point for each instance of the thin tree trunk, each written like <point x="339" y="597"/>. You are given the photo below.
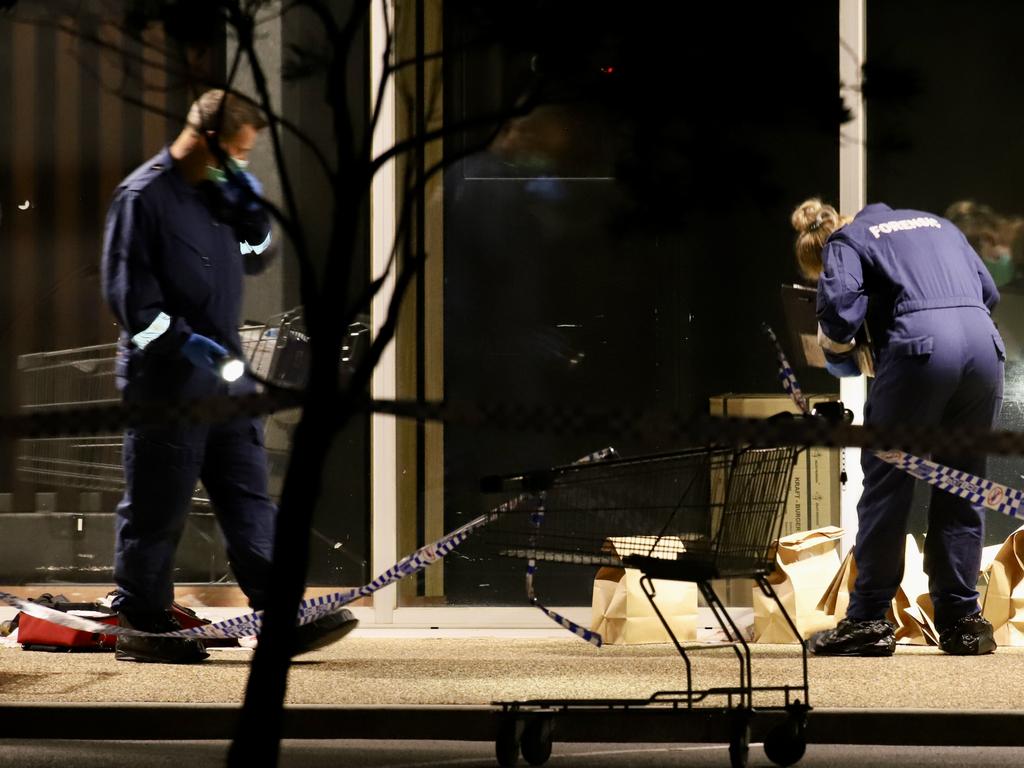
<point x="261" y="724"/>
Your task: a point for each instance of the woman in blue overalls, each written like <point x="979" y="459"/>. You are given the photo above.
<point x="939" y="362"/>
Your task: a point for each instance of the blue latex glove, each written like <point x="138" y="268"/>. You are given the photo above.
<point x="842" y="367"/>
<point x="203" y="352"/>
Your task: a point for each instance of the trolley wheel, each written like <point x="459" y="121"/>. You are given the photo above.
<point x="739" y="743"/>
<point x="536" y="740"/>
<point x="786" y="743"/>
<point x="506" y="743"/>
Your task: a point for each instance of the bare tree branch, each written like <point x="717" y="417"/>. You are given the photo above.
<point x="385" y="77"/>
<point x="296" y="233"/>
<point x="412" y="62"/>
<point x="362" y="303"/>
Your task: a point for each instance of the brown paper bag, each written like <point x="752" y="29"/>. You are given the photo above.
<point x="911" y="609"/>
<point x="806" y="564"/>
<point x="988" y="556"/>
<point x="836" y="599"/>
<point x="621" y="613"/>
<point x="1004" y="595"/>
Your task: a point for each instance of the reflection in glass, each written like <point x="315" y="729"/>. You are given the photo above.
<point x="999" y="240"/>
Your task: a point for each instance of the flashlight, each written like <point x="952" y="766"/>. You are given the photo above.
<point x="230" y="369"/>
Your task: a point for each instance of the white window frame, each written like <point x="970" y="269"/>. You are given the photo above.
<point x="852" y="197"/>
<point x="383" y="435"/>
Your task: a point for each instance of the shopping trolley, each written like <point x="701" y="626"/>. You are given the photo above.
<point x="691" y="515"/>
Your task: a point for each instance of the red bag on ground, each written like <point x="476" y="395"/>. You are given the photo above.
<point x="35" y="634"/>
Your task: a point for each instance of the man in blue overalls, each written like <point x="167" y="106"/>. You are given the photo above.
<point x="180" y="232"/>
<point x="939" y="362"/>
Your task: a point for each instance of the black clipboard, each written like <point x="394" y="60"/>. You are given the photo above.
<point x="799" y="305"/>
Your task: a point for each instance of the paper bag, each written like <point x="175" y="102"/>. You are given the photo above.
<point x="988" y="556"/>
<point x="621" y="613"/>
<point x="1004" y="596"/>
<point x="805" y="566"/>
<point x="911" y="609"/>
<point x="836" y="599"/>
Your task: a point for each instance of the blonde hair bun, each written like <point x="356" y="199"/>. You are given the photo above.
<point x="814" y="221"/>
<point x="812" y="214"/>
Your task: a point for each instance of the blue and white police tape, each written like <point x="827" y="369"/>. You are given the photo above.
<point x="589" y="635"/>
<point x="979" y="491"/>
<point x="594" y="638"/>
<point x="250" y="624"/>
<point x="786" y="375"/>
<point x="72" y="621"/>
<point x="313" y="608"/>
<point x="536" y="519"/>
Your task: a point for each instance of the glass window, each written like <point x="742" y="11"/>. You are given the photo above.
<point x="88" y="96"/>
<point x="943" y="137"/>
<point x="70" y="87"/>
<point x="615" y="248"/>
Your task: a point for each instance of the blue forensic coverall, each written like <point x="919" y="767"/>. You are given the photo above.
<point x="173" y="263"/>
<point x="939" y="362"/>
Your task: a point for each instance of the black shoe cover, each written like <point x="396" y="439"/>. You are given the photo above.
<point x="856" y="638"/>
<point x="970" y="636"/>
<point x="157" y="650"/>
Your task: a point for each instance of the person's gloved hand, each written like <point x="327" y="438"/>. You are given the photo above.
<point x="203" y="352"/>
<point x="842" y="367"/>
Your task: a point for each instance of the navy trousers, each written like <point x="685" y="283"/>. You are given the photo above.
<point x="161" y="467"/>
<point x="954" y="380"/>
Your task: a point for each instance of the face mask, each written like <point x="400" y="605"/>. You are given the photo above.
<point x="218" y="175"/>
<point x="1002" y="269"/>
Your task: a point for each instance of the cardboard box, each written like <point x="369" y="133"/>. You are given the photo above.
<point x="814" y="491"/>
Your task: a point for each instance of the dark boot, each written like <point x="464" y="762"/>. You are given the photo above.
<point x="324" y="631"/>
<point x="856" y="638"/>
<point x="970" y="636"/>
<point x="159" y="650"/>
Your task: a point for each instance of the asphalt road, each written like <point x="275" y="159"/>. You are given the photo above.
<point x="468" y="754"/>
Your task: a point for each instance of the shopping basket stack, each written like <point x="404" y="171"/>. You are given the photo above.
<point x="62" y="379"/>
<point x="276" y="352"/>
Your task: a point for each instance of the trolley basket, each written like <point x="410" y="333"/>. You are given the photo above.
<point x="691" y="515"/>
